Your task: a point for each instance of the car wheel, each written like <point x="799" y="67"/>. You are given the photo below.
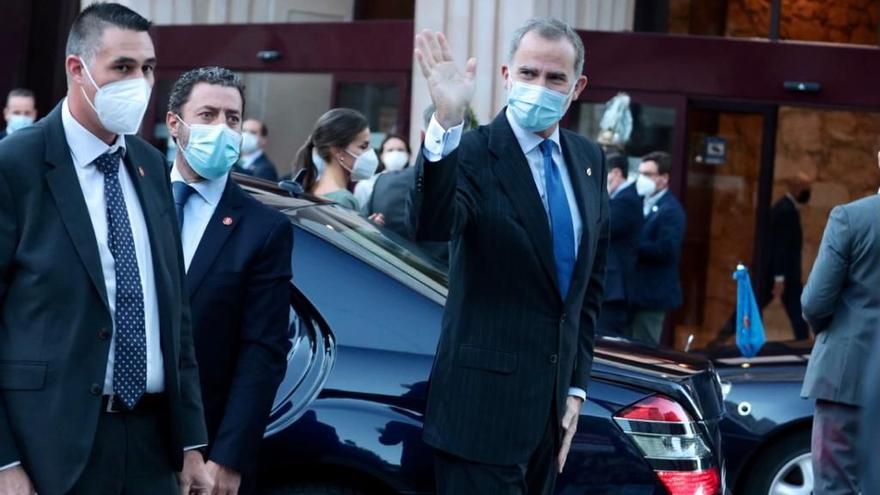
<point x="312" y="489"/>
<point x="783" y="469"/>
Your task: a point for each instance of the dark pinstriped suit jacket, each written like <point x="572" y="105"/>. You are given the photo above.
<point x="511" y="346"/>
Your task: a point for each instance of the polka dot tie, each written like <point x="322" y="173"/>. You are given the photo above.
<point x="130" y="364"/>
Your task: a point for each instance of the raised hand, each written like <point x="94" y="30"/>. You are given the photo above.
<point x="450" y="89"/>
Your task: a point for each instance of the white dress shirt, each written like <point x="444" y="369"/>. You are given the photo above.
<point x="247" y="161"/>
<point x="650" y="203"/>
<point x="85" y="147"/>
<point x="441" y="142"/>
<point x="197" y="212"/>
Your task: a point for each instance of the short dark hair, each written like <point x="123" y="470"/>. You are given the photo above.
<point x="338" y="128"/>
<point x="85" y="33"/>
<point x="21" y="93"/>
<point x="616" y="160"/>
<point x="662" y="159"/>
<point x="391" y="136"/>
<point x="215" y="76"/>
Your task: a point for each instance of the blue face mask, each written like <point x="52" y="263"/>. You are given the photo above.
<point x="212" y="150"/>
<point x="18" y="122"/>
<point x="536" y="108"/>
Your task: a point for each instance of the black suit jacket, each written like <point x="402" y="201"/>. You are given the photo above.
<point x="54" y="315"/>
<point x="3" y="134"/>
<point x="657" y="285"/>
<point x="626" y="218"/>
<point x="511" y="345"/>
<point x="786" y="243"/>
<point x="262" y="168"/>
<point x="238" y="283"/>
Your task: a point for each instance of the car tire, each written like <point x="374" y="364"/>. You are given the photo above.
<point x="312" y="488"/>
<point x="782" y="468"/>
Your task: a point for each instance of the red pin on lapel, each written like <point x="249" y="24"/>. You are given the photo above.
<point x="141" y="171"/>
<point x="227" y="221"/>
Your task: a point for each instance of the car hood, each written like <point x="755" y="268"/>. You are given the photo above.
<point x="688" y="378"/>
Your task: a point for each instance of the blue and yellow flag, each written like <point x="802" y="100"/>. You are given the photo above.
<point x="749" y="327"/>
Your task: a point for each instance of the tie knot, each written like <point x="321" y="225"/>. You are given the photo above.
<point x="181" y="191"/>
<point x="546" y="148"/>
<point x="108" y="163"/>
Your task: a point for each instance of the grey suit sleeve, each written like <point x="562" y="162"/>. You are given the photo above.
<point x="8" y="235"/>
<point x="829" y="273"/>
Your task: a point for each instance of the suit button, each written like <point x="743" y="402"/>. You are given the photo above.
<point x="562" y="320"/>
<point x="96" y="389"/>
<point x="553" y="359"/>
<point x="104" y="334"/>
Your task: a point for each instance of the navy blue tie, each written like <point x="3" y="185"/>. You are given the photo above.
<point x="130" y="362"/>
<point x="181" y="191"/>
<point x="560" y="220"/>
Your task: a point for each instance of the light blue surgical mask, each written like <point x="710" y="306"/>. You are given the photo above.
<point x="212" y="150"/>
<point x="536" y="108"/>
<point x="319" y="164"/>
<point x="18" y="122"/>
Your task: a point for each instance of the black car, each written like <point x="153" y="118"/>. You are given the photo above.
<point x="766" y="429"/>
<point x="366" y="310"/>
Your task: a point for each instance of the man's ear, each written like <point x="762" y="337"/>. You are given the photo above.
<point x="74" y="67"/>
<point x="579" y="86"/>
<point x="173" y="124"/>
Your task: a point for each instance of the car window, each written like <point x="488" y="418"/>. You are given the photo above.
<point x="367" y="241"/>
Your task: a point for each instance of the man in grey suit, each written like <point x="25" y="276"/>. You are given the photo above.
<point x="842" y="303"/>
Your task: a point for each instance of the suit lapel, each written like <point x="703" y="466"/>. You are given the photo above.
<point x="224" y="220"/>
<point x="67" y="193"/>
<point x="512" y="170"/>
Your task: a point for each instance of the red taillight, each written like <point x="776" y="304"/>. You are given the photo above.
<point x="707" y="482"/>
<point x="656" y="408"/>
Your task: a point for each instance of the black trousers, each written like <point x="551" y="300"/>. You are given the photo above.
<point x="130" y="456"/>
<point x="791" y="301"/>
<point x="457" y="476"/>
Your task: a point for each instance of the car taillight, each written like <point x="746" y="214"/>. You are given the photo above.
<point x="672" y="443"/>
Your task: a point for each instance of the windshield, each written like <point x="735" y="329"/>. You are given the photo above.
<point x="361" y="238"/>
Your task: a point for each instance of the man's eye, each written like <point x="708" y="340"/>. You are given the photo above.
<point x="122" y="68"/>
<point x="148" y="69"/>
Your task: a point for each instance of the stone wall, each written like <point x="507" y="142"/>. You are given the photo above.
<point x="838" y="21"/>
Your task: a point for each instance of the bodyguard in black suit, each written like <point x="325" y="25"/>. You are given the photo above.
<point x="625" y="227"/>
<point x="525" y="206"/>
<point x="658" y="287"/>
<point x="237" y="255"/>
<point x="254" y="160"/>
<point x="98" y="380"/>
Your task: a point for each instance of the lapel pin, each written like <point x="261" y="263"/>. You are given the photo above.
<point x="141" y="171"/>
<point x="227" y="221"/>
<point x="654" y="208"/>
<point x="589" y="172"/>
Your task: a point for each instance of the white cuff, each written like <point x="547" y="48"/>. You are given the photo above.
<point x="779" y="279"/>
<point x="194" y="447"/>
<point x="440" y="142"/>
<point x="10" y="466"/>
<point x="578" y="392"/>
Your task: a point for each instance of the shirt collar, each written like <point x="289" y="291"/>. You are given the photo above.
<point x="209" y="190"/>
<point x="248" y="161"/>
<point x="85" y="147"/>
<point x="528" y="140"/>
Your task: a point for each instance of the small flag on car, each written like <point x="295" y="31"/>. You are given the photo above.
<point x="749" y="326"/>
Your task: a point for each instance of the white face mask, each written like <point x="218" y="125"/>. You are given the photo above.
<point x="120" y="105"/>
<point x="249" y="143"/>
<point x="18" y="122"/>
<point x="395" y="160"/>
<point x="645" y="186"/>
<point x="365" y="165"/>
<point x="319" y="164"/>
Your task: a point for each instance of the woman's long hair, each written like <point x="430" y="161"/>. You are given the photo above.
<point x="338" y="127"/>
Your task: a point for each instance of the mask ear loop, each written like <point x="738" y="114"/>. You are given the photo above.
<point x="92" y="80"/>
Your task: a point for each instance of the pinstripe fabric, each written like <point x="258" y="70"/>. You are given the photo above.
<point x="510" y="346"/>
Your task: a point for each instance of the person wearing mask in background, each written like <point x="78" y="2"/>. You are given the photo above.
<point x="841" y="302"/>
<point x="657" y="288"/>
<point x="625" y="228"/>
<point x="253" y="152"/>
<point x="782" y="268"/>
<point x="99" y="387"/>
<point x="524" y="204"/>
<point x="20" y="111"/>
<point x="236" y="253"/>
<point x="337" y="152"/>
<point x="394" y="154"/>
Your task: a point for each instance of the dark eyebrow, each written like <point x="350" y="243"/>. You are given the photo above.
<point x="208" y="108"/>
<point x="131" y="61"/>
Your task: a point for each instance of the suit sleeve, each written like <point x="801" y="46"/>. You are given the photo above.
<point x="593" y="297"/>
<point x="192" y="416"/>
<point x="262" y="358"/>
<point x="666" y="245"/>
<point x="8" y="235"/>
<point x="830" y="270"/>
<point x="446" y="195"/>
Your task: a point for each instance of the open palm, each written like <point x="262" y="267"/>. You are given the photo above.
<point x="450" y="89"/>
